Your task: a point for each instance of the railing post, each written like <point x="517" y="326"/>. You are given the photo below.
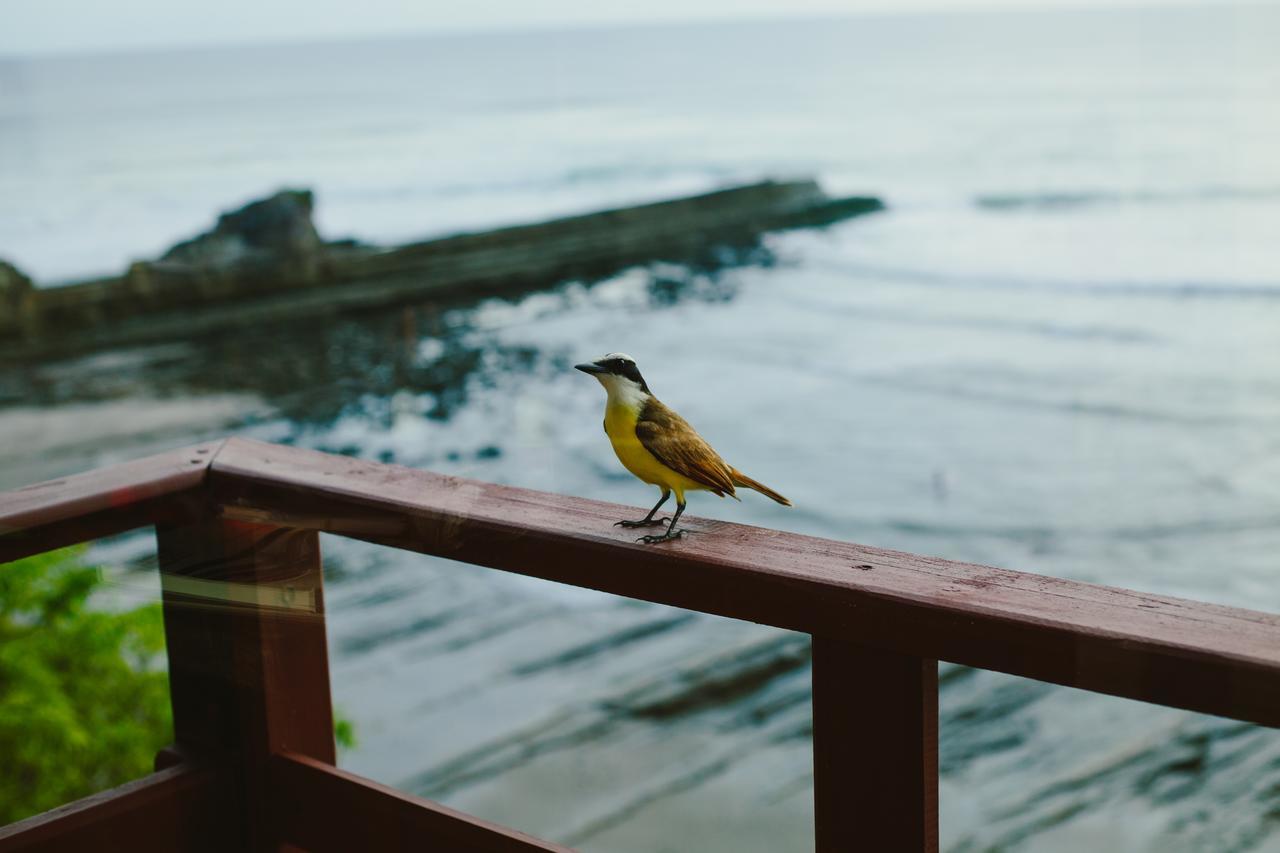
<point x="248" y="665"/>
<point x="875" y="750"/>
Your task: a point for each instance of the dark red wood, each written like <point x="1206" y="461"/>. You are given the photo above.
<point x="326" y="810"/>
<point x="875" y="749"/>
<point x="248" y="668"/>
<point x="180" y="808"/>
<point x="1186" y="654"/>
<point x="248" y="664"/>
<point x="52" y="514"/>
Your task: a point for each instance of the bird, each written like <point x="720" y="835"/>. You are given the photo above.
<point x="659" y="447"/>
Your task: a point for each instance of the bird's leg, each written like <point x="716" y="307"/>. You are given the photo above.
<point x="672" y="532"/>
<point x="648" y="519"/>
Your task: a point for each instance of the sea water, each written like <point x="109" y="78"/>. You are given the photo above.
<point x="1057" y="350"/>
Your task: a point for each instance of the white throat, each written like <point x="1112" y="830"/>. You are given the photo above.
<point x="623" y="391"/>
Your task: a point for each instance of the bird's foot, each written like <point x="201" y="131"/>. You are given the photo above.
<point x="662" y="537"/>
<point x="644" y="522"/>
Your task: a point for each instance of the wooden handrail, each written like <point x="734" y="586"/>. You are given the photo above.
<point x="1171" y="651"/>
<point x="250" y="685"/>
<point x="49" y="515"/>
<point x="180" y="808"/>
<point x="326" y="810"/>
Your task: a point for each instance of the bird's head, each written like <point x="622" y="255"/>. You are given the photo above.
<point x="618" y="373"/>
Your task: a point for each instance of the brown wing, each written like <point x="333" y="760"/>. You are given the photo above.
<point x="675" y="444"/>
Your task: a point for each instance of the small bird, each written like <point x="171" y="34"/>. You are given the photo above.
<point x="659" y="446"/>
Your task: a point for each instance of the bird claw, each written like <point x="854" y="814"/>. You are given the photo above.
<point x="665" y="537"/>
<point x="641" y="523"/>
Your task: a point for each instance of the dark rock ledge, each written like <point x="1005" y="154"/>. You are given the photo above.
<point x="266" y="263"/>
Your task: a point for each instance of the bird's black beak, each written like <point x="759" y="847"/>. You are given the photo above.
<point x="590" y="368"/>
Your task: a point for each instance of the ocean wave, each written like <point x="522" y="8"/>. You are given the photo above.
<point x="1013" y="400"/>
<point x="1184" y="529"/>
<point x="1203" y="289"/>
<point x="923" y="317"/>
<point x="643" y="177"/>
<point x="1091" y="198"/>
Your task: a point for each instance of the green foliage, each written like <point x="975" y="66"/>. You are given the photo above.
<point x="84" y="704"/>
<point x="84" y="697"/>
<point x="344" y="731"/>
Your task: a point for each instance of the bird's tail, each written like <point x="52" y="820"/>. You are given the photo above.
<point x="741" y="479"/>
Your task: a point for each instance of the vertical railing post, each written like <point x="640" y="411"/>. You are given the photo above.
<point x="875" y="749"/>
<point x="248" y="664"/>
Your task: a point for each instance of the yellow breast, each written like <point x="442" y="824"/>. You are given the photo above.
<point x="620" y="426"/>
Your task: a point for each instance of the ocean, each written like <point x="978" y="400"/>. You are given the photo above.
<point x="1057" y="350"/>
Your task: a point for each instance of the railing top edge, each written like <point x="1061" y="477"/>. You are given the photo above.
<point x="1173" y="651"/>
<point x="323" y="807"/>
<point x="1097" y="637"/>
<point x="138" y="808"/>
<point x="101" y="502"/>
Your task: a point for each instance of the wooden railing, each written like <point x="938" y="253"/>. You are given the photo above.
<point x="253" y="763"/>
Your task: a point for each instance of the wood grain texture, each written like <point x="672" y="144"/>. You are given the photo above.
<point x="1171" y="651"/>
<point x="875" y="750"/>
<point x="175" y="809"/>
<point x="326" y="810"/>
<point x="247" y="679"/>
<point x="50" y="515"/>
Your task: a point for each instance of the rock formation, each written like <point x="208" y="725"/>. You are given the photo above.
<point x="273" y="232"/>
<point x="265" y="263"/>
<point x="17" y="302"/>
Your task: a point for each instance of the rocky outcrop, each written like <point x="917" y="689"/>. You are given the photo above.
<point x="266" y="263"/>
<point x="274" y="232"/>
<point x="267" y="246"/>
<point x="18" y="312"/>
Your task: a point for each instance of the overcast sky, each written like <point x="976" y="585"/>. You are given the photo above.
<point x="55" y="26"/>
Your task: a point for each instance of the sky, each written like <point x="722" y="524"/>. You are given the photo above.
<point x="73" y="26"/>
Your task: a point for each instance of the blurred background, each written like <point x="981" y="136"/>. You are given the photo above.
<point x="1056" y="350"/>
